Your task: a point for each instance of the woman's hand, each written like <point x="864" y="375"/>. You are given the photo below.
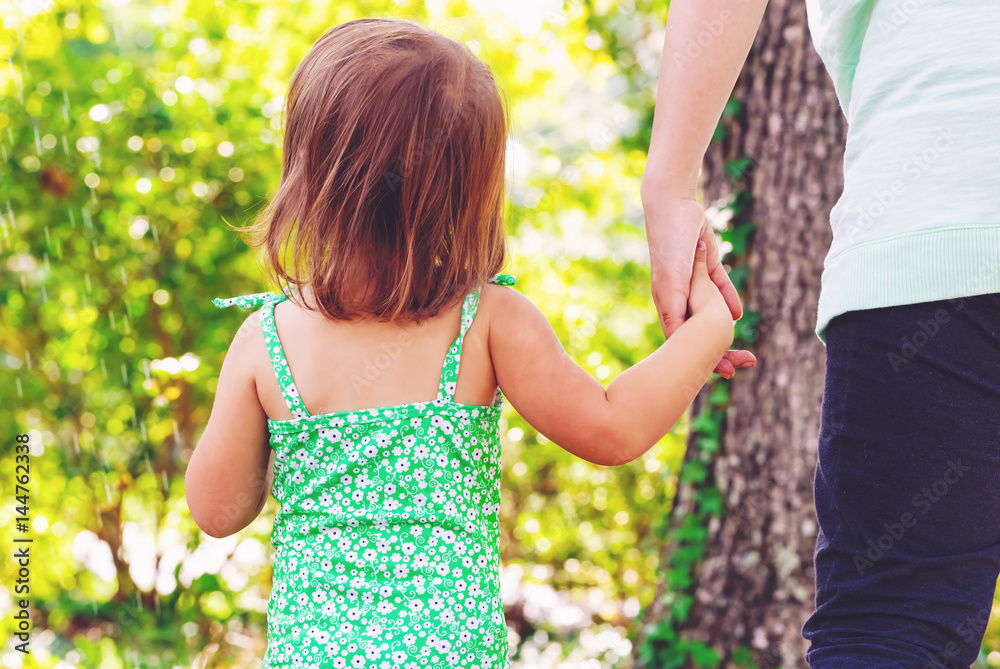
<point x="674" y="225"/>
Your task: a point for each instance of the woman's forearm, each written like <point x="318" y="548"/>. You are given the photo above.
<point x="705" y="46"/>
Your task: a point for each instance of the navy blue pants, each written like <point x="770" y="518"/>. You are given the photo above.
<point x="908" y="486"/>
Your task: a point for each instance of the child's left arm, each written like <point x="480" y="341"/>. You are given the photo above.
<point x="228" y="477"/>
<point x="613" y="425"/>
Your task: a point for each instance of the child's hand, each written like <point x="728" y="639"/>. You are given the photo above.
<point x="705" y="296"/>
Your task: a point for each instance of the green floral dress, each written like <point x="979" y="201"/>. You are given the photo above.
<point x="386" y="543"/>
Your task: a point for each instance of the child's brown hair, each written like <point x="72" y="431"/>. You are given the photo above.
<point x="392" y="184"/>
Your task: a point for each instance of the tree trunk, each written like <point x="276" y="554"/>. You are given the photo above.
<point x="755" y="587"/>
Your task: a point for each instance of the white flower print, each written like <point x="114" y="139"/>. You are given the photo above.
<point x="332" y="434"/>
<point x="379" y="519"/>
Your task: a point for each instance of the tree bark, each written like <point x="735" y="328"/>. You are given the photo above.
<point x="755" y="586"/>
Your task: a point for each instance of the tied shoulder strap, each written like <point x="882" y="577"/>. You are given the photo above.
<point x="246" y="301"/>
<point x="503" y="279"/>
<point x="279" y="362"/>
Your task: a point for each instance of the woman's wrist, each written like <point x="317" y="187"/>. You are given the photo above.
<point x="655" y="192"/>
<point x="661" y="184"/>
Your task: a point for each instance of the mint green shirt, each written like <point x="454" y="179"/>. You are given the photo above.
<point x="919" y="84"/>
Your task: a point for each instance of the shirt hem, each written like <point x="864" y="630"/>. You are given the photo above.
<point x="923" y="266"/>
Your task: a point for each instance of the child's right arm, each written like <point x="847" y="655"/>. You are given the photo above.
<point x="614" y="425"/>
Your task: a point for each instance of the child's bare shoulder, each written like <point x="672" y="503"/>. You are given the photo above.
<point x="506" y="308"/>
<point x="248" y="347"/>
<point x="250" y="334"/>
<point x="502" y="299"/>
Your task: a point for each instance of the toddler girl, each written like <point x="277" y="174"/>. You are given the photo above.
<point x="386" y="462"/>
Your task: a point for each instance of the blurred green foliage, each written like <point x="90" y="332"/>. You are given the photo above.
<point x="131" y="132"/>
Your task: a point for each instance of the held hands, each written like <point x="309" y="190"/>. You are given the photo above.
<point x="703" y="294"/>
<point x="674" y="227"/>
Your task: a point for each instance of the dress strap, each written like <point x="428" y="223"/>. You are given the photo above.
<point x="449" y="372"/>
<point x="279" y="362"/>
<point x="252" y="300"/>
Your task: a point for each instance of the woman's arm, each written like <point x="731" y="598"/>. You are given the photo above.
<point x="228" y="477"/>
<point x="704" y="48"/>
<point x="563" y="402"/>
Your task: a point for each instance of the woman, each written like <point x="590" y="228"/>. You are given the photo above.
<point x="908" y="552"/>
